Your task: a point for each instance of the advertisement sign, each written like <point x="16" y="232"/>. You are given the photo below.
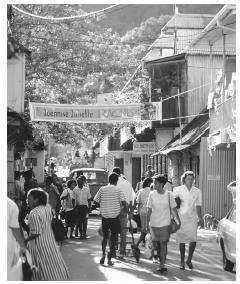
<point x="95" y="113"/>
<point x="144" y="148"/>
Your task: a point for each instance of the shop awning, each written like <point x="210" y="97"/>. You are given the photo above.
<point x="191" y="134"/>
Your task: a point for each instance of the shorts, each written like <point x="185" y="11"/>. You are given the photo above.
<point x="112" y="224"/>
<point x="160" y="234"/>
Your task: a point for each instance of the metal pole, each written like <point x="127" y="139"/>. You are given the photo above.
<point x="179" y="105"/>
<point x="211" y="66"/>
<point x="224" y="63"/>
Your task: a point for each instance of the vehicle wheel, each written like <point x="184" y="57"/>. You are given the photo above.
<point x="227" y="264"/>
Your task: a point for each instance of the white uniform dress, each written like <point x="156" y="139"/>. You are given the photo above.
<point x="188" y="213"/>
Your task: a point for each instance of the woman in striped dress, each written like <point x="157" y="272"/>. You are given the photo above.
<point x="41" y="243"/>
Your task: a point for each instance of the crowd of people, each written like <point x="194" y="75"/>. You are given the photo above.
<point x="30" y="218"/>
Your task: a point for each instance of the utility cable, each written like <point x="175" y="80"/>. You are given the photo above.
<point x="65" y="18"/>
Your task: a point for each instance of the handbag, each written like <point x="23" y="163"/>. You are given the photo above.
<point x="58" y="229"/>
<point x="148" y="246"/>
<point x="27" y="269"/>
<point x="173" y="227"/>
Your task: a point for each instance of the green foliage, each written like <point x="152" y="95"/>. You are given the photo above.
<point x="73" y="61"/>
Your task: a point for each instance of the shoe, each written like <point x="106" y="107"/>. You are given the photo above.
<point x="162" y="269"/>
<point x="110" y="263"/>
<point x="102" y="260"/>
<point x="189" y="264"/>
<point x="182" y="266"/>
<point x="84" y="237"/>
<point x="155" y="260"/>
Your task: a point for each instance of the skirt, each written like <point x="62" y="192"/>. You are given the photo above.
<point x="160" y="234"/>
<point x="188" y="231"/>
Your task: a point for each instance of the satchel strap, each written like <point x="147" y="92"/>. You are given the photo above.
<point x="170" y="210"/>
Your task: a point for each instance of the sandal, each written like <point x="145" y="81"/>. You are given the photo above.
<point x="189" y="264"/>
<point x="182" y="266"/>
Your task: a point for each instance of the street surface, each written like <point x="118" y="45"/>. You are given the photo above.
<point x="82" y="258"/>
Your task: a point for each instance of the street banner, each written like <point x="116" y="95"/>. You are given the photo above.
<point x="95" y="113"/>
<point x="144" y="148"/>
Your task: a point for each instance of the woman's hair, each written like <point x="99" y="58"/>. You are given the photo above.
<point x="160" y="178"/>
<point x="38" y="193"/>
<point x="49" y="180"/>
<point x="147" y="182"/>
<point x="187" y="173"/>
<point x="70" y="182"/>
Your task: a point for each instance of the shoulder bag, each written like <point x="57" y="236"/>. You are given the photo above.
<point x="173" y="227"/>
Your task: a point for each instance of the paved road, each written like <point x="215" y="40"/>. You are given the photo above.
<point x="82" y="258"/>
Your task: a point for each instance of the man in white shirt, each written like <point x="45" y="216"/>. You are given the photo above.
<point x="130" y="196"/>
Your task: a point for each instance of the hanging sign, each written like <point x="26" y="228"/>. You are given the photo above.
<point x="144" y="148"/>
<point x="95" y="113"/>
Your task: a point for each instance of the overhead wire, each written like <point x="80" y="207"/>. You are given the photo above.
<point x="65" y="18"/>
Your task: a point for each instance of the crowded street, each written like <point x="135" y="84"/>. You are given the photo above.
<point x="121" y="142"/>
<point x="82" y="258"/>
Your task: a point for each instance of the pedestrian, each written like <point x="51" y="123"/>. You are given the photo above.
<point x="53" y="195"/>
<point x="142" y="208"/>
<point x="29" y="183"/>
<point x="168" y="184"/>
<point x="130" y="196"/>
<point x="57" y="183"/>
<point x="82" y="204"/>
<point x="19" y="192"/>
<point x="110" y="198"/>
<point x="190" y="215"/>
<point x="41" y="243"/>
<point x="139" y="185"/>
<point x="149" y="173"/>
<point x="15" y="242"/>
<point x="68" y="206"/>
<point x="159" y="215"/>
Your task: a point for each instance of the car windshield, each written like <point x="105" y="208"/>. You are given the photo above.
<point x="99" y="177"/>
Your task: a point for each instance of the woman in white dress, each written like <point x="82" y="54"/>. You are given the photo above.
<point x="190" y="215"/>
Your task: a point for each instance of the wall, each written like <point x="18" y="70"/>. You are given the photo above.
<point x="198" y="76"/>
<point x="16" y="83"/>
<point x="128" y="166"/>
<point x="216" y="172"/>
<point x="39" y="169"/>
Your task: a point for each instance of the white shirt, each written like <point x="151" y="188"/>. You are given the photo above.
<point x="127" y="189"/>
<point x="159" y="203"/>
<point x="12" y="223"/>
<point x="189" y="199"/>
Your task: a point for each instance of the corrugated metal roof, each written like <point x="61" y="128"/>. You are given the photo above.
<point x="191" y="21"/>
<point x="191" y="134"/>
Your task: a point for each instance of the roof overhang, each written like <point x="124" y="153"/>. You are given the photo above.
<point x="179" y="58"/>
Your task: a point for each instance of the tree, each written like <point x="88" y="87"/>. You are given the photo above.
<point x="70" y="62"/>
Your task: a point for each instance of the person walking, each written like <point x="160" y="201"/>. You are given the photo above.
<point x="139" y="185"/>
<point x="82" y="204"/>
<point x="53" y="195"/>
<point x="110" y="198"/>
<point x="141" y="201"/>
<point x="29" y="183"/>
<point x="41" y="243"/>
<point x="149" y="173"/>
<point x="15" y="242"/>
<point x="159" y="204"/>
<point x="66" y="197"/>
<point x="130" y="196"/>
<point x="190" y="215"/>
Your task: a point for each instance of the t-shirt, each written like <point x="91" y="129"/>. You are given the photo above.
<point x="12" y="223"/>
<point x="81" y="196"/>
<point x="127" y="189"/>
<point x="110" y="198"/>
<point x="142" y="198"/>
<point x="159" y="203"/>
<point x="189" y="200"/>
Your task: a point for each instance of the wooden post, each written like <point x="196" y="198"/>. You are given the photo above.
<point x="224" y="63"/>
<point x="211" y="66"/>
